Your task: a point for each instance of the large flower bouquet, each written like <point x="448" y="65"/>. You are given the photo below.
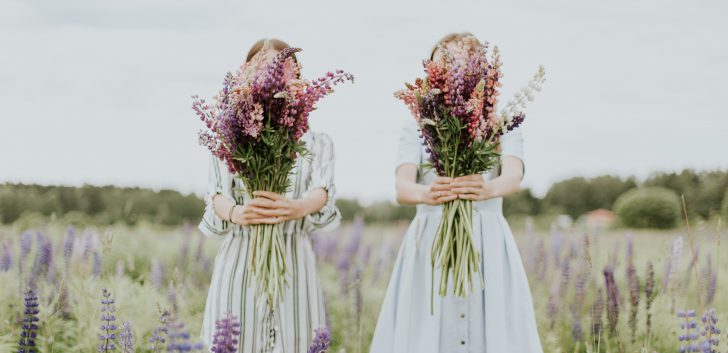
<point x="255" y="126"/>
<point x="455" y="108"/>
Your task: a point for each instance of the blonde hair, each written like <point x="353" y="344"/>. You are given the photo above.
<point x="466" y="37"/>
<point x="276" y="44"/>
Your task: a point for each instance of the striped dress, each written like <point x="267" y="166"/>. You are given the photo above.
<point x="289" y="328"/>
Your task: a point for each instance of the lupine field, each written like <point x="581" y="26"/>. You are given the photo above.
<point x="142" y="289"/>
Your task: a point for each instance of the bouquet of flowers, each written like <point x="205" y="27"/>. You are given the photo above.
<point x="455" y="108"/>
<point x="255" y="126"/>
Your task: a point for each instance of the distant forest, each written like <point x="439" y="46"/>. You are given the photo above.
<point x="705" y="193"/>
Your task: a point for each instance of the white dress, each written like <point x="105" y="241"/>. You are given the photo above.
<point x="290" y="327"/>
<point x="498" y="319"/>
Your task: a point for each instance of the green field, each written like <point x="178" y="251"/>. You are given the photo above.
<point x="147" y="268"/>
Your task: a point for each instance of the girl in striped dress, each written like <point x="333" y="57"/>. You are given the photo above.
<point x="307" y="206"/>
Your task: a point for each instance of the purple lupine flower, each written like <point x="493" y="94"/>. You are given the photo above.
<point x="694" y="255"/>
<point x="126" y="338"/>
<point x="29" y="330"/>
<point x="557" y="244"/>
<point x="227" y="331"/>
<point x="634" y="297"/>
<point x="711" y="280"/>
<point x="612" y="300"/>
<point x="358" y="299"/>
<point x="630" y="247"/>
<point x="688" y="332"/>
<point x="597" y="313"/>
<point x="321" y="341"/>
<point x="156" y="274"/>
<point x="26" y="244"/>
<point x="68" y="244"/>
<point x="158" y="341"/>
<point x="710" y="332"/>
<point x="541" y="260"/>
<point x="43" y="258"/>
<point x="178" y="338"/>
<point x="108" y="323"/>
<point x="650" y="294"/>
<point x="577" y="304"/>
<point x="673" y="263"/>
<point x="6" y="261"/>
<point x="89" y="244"/>
<point x="97" y="265"/>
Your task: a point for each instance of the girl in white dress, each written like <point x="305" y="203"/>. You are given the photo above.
<point x="309" y="205"/>
<point x="498" y="319"/>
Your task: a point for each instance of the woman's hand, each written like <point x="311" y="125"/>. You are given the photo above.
<point x="438" y="192"/>
<point x="268" y="208"/>
<point x="471" y="187"/>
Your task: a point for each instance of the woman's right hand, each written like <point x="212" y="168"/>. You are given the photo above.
<point x="438" y="192"/>
<point x="246" y="215"/>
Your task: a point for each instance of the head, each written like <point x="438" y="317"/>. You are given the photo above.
<point x="450" y="40"/>
<point x="267" y="44"/>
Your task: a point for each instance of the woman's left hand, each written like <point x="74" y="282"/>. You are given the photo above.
<point x="471" y="187"/>
<point x="276" y="207"/>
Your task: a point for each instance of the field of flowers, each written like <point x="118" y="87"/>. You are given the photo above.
<point x="594" y="291"/>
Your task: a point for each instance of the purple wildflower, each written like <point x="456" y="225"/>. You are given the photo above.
<point x="634" y="297"/>
<point x="178" y="338"/>
<point x="43" y="258"/>
<point x="711" y="281"/>
<point x="68" y="244"/>
<point x="156" y="275"/>
<point x="6" y="261"/>
<point x="126" y="338"/>
<point x="597" y="313"/>
<point x="227" y="331"/>
<point x="30" y="323"/>
<point x="577" y="304"/>
<point x="108" y="323"/>
<point x="321" y="341"/>
<point x="710" y="332"/>
<point x="97" y="264"/>
<point x="159" y="335"/>
<point x="688" y="332"/>
<point x="673" y="263"/>
<point x="650" y="294"/>
<point x="184" y="249"/>
<point x="612" y="300"/>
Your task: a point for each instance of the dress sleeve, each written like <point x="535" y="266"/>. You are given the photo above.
<point x="322" y="176"/>
<point x="219" y="183"/>
<point x="512" y="145"/>
<point x="410" y="145"/>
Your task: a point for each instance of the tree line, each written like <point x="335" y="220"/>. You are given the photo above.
<point x="704" y="191"/>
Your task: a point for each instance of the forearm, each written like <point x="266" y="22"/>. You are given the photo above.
<point x="222" y="207"/>
<point x="509" y="181"/>
<point x="410" y="193"/>
<point x="311" y="203"/>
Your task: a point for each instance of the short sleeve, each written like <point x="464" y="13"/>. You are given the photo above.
<point x="322" y="176"/>
<point x="220" y="182"/>
<point x="512" y="144"/>
<point x="410" y="145"/>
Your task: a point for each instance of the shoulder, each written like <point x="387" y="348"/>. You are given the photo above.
<point x="319" y="143"/>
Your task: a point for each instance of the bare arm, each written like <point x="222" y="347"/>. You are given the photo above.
<point x="269" y="208"/>
<point x="409" y="192"/>
<point x="474" y="187"/>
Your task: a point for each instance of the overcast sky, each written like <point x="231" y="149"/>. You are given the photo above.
<point x="98" y="91"/>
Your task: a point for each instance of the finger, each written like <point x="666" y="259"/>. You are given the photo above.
<point x="440" y="187"/>
<point x="267" y="194"/>
<point x="447" y="198"/>
<point x="270" y="220"/>
<point x="466" y="190"/>
<point x="443" y="180"/>
<point x="271" y="212"/>
<point x="471" y="197"/>
<point x="471" y="177"/>
<point x="262" y="202"/>
<point x="461" y="184"/>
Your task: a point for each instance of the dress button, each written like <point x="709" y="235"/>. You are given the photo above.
<point x="462" y="316"/>
<point x="462" y="342"/>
